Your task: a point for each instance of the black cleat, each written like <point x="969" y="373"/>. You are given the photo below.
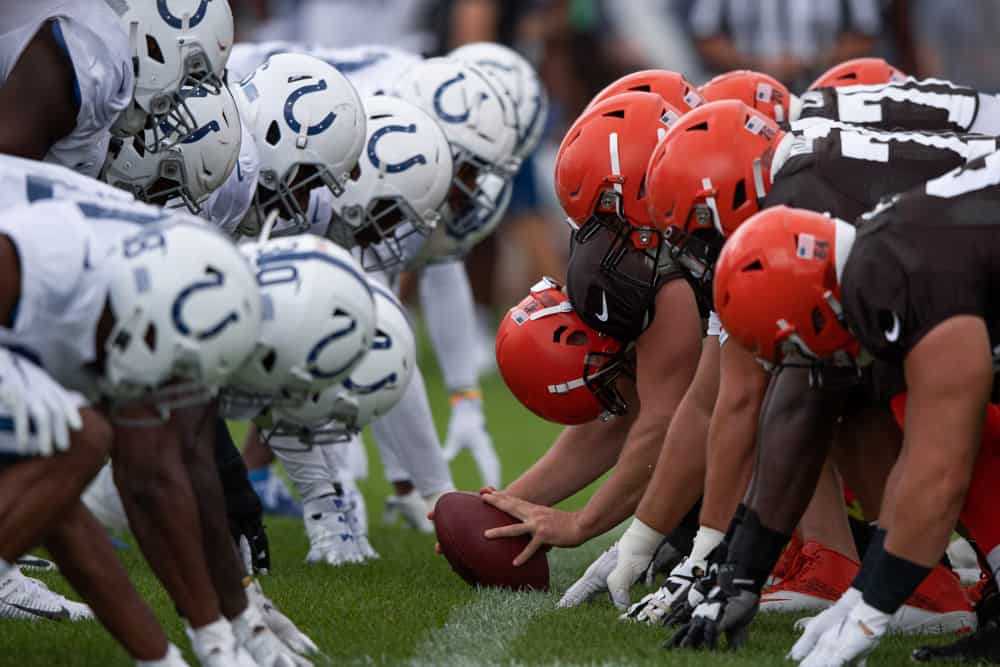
<point x="981" y="646"/>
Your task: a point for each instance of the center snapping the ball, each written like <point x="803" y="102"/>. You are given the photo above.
<point x="460" y="519"/>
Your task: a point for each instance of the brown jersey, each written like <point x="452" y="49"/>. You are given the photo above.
<point x="925" y="256"/>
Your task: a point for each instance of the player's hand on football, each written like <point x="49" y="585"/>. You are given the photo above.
<point x="467" y="430"/>
<point x="547" y="526"/>
<point x="727" y="610"/>
<point x="42" y="411"/>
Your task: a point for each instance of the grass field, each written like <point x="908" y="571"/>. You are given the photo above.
<point x="408" y="608"/>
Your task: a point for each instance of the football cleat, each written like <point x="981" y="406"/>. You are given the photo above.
<point x="35" y="563"/>
<point x="275" y="496"/>
<point x="29" y="599"/>
<point x="816" y="579"/>
<point x="786" y="562"/>
<point x="411" y="508"/>
<point x="357" y="519"/>
<point x="331" y="540"/>
<point x="983" y="645"/>
<point x="938" y="606"/>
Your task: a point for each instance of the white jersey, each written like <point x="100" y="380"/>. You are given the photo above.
<point x="98" y="47"/>
<point x="370" y="69"/>
<point x="24" y="181"/>
<point x="64" y="287"/>
<point x="228" y="205"/>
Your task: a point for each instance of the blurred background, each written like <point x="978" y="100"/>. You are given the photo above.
<point x="579" y="46"/>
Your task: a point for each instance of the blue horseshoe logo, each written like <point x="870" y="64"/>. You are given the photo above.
<point x="177" y="22"/>
<point x="393" y="167"/>
<point x="318" y="348"/>
<point x="202" y="132"/>
<point x="370" y="388"/>
<point x="293" y="123"/>
<point x="215" y="280"/>
<point x="444" y="115"/>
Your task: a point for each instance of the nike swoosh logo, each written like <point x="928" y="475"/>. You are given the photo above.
<point x="892" y="335"/>
<point x="603" y="315"/>
<point x="61" y="615"/>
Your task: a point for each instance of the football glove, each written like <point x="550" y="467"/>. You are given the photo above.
<point x="851" y="640"/>
<point x="467" y="430"/>
<point x="278" y="623"/>
<point x="814" y="627"/>
<point x="656" y="607"/>
<point x="43" y="411"/>
<point x="593" y="581"/>
<point x="265" y="647"/>
<point x="215" y="646"/>
<point x="728" y="609"/>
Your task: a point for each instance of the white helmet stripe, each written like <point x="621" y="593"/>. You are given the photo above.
<point x="616" y="167"/>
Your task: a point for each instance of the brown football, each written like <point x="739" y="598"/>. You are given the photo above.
<point x="460" y="520"/>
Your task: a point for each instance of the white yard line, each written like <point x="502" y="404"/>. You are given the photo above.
<point x="481" y="632"/>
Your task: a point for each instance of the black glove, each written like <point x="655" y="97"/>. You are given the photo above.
<point x="728" y="609"/>
<point x="251" y="542"/>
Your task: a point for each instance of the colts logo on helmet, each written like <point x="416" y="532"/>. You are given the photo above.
<point x="393" y="167"/>
<point x="177" y="22"/>
<point x="313" y="357"/>
<point x="362" y="389"/>
<point x="215" y="279"/>
<point x="439" y="93"/>
<point x="293" y="122"/>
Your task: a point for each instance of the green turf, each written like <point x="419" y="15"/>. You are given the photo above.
<point x="408" y="608"/>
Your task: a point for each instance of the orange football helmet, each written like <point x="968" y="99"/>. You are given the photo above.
<point x="776" y="289"/>
<point x="856" y="72"/>
<point x="601" y="169"/>
<point x="557" y="366"/>
<point x="755" y="89"/>
<point x="677" y="91"/>
<point x="709" y="174"/>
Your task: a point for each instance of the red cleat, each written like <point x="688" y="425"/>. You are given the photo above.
<point x="819" y="577"/>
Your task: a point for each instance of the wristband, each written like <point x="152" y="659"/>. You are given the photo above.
<point x="465" y="395"/>
<point x="705" y="542"/>
<point x="892" y="581"/>
<point x="640" y="539"/>
<point x="875" y="546"/>
<point x="755" y="549"/>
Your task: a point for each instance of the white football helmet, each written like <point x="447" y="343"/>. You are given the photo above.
<point x="373" y="388"/>
<point x="309" y="127"/>
<point x="406" y="172"/>
<point x="186" y="311"/>
<point x="520" y="80"/>
<point x="178" y="47"/>
<point x="184" y="172"/>
<point x="317" y="322"/>
<point x="481" y="127"/>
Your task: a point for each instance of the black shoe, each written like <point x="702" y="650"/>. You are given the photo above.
<point x="983" y="645"/>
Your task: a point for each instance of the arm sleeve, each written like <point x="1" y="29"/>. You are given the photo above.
<point x="446" y="299"/>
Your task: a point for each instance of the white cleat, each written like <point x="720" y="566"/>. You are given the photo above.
<point x="331" y="540"/>
<point x="29" y="599"/>
<point x="411" y="508"/>
<point x="357" y="520"/>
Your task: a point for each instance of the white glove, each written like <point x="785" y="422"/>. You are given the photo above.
<point x="850" y="641"/>
<point x="815" y="626"/>
<point x="593" y="581"/>
<point x="278" y="623"/>
<point x="215" y="646"/>
<point x="173" y="658"/>
<point x="654" y="607"/>
<point x="33" y="399"/>
<point x="467" y="430"/>
<point x="265" y="647"/>
<point x="636" y="550"/>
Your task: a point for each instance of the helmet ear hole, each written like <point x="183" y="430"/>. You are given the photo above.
<point x="267" y="362"/>
<point x="273" y="135"/>
<point x="150" y="337"/>
<point x="557" y="334"/>
<point x="578" y="337"/>
<point x="617" y="113"/>
<point x="754" y="266"/>
<point x="818" y="320"/>
<point x="153" y="50"/>
<point x="740" y="194"/>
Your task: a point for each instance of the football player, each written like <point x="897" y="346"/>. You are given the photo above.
<point x="600" y="179"/>
<point x="65" y="78"/>
<point x="825" y="167"/>
<point x="909" y="284"/>
<point x="113" y="343"/>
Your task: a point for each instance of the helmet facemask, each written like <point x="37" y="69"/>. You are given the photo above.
<point x="382" y="230"/>
<point x="290" y="195"/>
<point x="469" y="204"/>
<point x="601" y="371"/>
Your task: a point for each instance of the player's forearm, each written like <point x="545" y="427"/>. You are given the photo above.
<point x="729" y="462"/>
<point x="163" y="514"/>
<point x="619" y="496"/>
<point x="579" y="455"/>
